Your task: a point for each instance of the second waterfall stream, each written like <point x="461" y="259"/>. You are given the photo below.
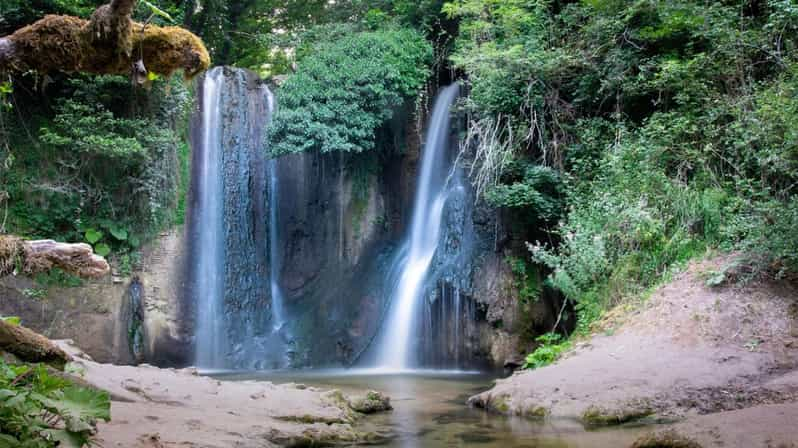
<point x="396" y="348"/>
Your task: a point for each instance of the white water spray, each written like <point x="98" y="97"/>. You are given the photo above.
<point x="209" y="266"/>
<point x="275" y="265"/>
<point x="395" y="350"/>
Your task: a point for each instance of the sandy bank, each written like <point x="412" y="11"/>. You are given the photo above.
<point x="154" y="407"/>
<point x="723" y="361"/>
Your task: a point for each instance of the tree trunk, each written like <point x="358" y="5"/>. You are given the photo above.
<point x="32" y="257"/>
<point x="28" y="346"/>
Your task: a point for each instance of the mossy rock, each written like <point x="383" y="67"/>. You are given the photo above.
<point x="595" y="416"/>
<point x="308" y="419"/>
<point x="667" y="439"/>
<point x="535" y="413"/>
<point x="499" y="404"/>
<point x="317" y="436"/>
<point x="371" y="403"/>
<point x="338" y="399"/>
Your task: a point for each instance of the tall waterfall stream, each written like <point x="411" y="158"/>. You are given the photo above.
<point x="208" y="268"/>
<point x="396" y="349"/>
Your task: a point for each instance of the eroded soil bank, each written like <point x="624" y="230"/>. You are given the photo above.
<point x="721" y="362"/>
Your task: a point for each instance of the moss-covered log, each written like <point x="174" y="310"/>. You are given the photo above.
<point x="31" y="257"/>
<point x="29" y="346"/>
<point x="108" y="43"/>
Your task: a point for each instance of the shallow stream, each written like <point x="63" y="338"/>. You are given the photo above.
<point x="430" y="412"/>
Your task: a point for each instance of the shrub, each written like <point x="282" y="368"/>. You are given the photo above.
<point x="346" y="89"/>
<point x="550" y="348"/>
<point x="103" y="168"/>
<point x="38" y="410"/>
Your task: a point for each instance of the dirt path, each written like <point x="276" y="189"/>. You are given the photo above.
<point x="690" y="354"/>
<point x="163" y="408"/>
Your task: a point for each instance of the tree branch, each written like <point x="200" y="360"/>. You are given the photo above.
<point x="102" y="45"/>
<point x="32" y="257"/>
<point x="29" y="346"/>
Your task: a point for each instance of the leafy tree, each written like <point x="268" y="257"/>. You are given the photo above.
<point x="669" y="124"/>
<point x="348" y="87"/>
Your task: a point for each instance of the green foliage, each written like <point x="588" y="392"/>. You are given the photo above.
<point x="551" y="346"/>
<point x="102" y="249"/>
<point x="57" y="277"/>
<point x="156" y="11"/>
<point x="103" y="167"/>
<point x="263" y="35"/>
<point x="35" y="293"/>
<point x="13" y="320"/>
<point x="17" y="13"/>
<point x="537" y="191"/>
<point x="527" y="279"/>
<point x="93" y="236"/>
<point x="39" y="410"/>
<point x="671" y="124"/>
<point x="346" y="89"/>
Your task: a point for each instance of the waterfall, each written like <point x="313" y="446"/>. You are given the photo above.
<point x="275" y="265"/>
<point x="396" y="349"/>
<point x="209" y="262"/>
<point x="235" y="256"/>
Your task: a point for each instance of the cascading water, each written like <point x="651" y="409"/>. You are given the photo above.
<point x="278" y="314"/>
<point x="395" y="351"/>
<point x="235" y="255"/>
<point x="209" y="262"/>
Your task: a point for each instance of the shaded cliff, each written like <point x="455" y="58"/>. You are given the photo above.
<point x="228" y="270"/>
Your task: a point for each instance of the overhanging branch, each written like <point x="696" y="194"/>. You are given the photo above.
<point x="109" y="43"/>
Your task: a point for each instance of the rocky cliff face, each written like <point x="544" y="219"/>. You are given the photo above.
<point x="340" y="217"/>
<point x="117" y="319"/>
<point x="340" y="220"/>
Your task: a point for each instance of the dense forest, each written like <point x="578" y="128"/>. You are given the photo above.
<point x="617" y="140"/>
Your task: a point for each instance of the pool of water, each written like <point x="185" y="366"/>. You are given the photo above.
<point x="430" y="411"/>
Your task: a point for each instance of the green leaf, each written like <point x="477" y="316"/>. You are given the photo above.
<point x="93" y="235"/>
<point x="67" y="438"/>
<point x="13" y="320"/>
<point x="158" y="11"/>
<point x="7" y="441"/>
<point x="152" y="76"/>
<point x="80" y="407"/>
<point x="118" y="233"/>
<point x="134" y="242"/>
<point x="102" y="250"/>
<point x="5" y="394"/>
